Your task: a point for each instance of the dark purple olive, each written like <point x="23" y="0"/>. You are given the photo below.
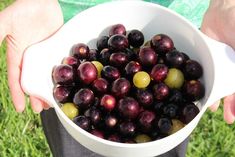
<point x="104" y="56"/>
<point x="83" y="122"/>
<point x="102" y="42"/>
<point x="192" y="70"/>
<point x="128" y="108"/>
<point x="63" y="74"/>
<point x="95" y="115"/>
<point x="119" y="59"/>
<point x="132" y="67"/>
<point x="108" y="102"/>
<point x="145" y="120"/>
<point x="132" y="54"/>
<point x="72" y="61"/>
<point x="135" y="38"/>
<point x="100" y="86"/>
<point x="121" y="87"/>
<point x="164" y="125"/>
<point x="114" y="138"/>
<point x="160" y="91"/>
<point x="110" y="73"/>
<point x="62" y="94"/>
<point x="83" y="98"/>
<point x="127" y="128"/>
<point x="158" y="107"/>
<point x="162" y="44"/>
<point x="117" y="29"/>
<point x="87" y="112"/>
<point x="96" y="102"/>
<point x="186" y="57"/>
<point x="144" y="97"/>
<point x="128" y="140"/>
<point x="190" y="112"/>
<point x="161" y="60"/>
<point x="87" y="72"/>
<point x="97" y="133"/>
<point x="176" y="96"/>
<point x="171" y="110"/>
<point x="93" y="55"/>
<point x="175" y="59"/>
<point x="80" y="51"/>
<point x="193" y="90"/>
<point x="118" y="42"/>
<point x="159" y="72"/>
<point x="157" y="135"/>
<point x="111" y="121"/>
<point x="147" y="56"/>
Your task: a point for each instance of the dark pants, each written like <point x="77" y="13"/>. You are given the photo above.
<point x="63" y="145"/>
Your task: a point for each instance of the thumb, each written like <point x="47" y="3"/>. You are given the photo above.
<point x="208" y="26"/>
<point x="229" y="109"/>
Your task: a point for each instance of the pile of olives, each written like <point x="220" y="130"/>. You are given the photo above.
<point x="129" y="89"/>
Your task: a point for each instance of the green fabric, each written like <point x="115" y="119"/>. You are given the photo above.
<point x="72" y="7"/>
<point x="193" y="10"/>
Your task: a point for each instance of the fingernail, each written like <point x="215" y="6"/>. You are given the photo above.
<point x="230" y="122"/>
<point x="47" y="108"/>
<point x="19" y="110"/>
<point x="213" y="110"/>
<point x="37" y="111"/>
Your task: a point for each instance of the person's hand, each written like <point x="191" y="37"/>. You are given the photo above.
<point x="24" y="23"/>
<point x="219" y="23"/>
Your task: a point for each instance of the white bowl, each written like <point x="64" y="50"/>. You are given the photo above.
<point x="216" y="58"/>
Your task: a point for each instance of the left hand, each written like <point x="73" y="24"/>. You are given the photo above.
<point x="24" y="23"/>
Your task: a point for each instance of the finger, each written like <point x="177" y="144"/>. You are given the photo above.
<point x="37" y="104"/>
<point x="14" y="72"/>
<point x="208" y="27"/>
<point x="229" y="109"/>
<point x="36" y="101"/>
<point x="215" y="106"/>
<point x="209" y="32"/>
<point x="46" y="106"/>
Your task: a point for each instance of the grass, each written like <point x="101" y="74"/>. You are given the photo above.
<point x="21" y="135"/>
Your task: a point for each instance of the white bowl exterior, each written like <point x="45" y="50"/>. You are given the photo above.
<point x="151" y="19"/>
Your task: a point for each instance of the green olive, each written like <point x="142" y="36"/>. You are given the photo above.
<point x="175" y="78"/>
<point x="98" y="66"/>
<point x="177" y="125"/>
<point x="141" y="79"/>
<point x="70" y="110"/>
<point x="142" y="138"/>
